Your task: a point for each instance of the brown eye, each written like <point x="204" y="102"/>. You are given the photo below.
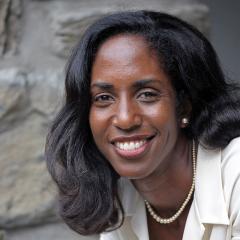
<point x="148" y="96"/>
<point x="103" y="99"/>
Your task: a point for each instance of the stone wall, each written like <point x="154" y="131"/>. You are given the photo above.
<point x="35" y="40"/>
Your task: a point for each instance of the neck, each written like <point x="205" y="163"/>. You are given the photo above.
<point x="167" y="187"/>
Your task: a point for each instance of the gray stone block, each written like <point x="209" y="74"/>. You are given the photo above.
<point x="57" y="231"/>
<point x="27" y="105"/>
<point x="10" y="15"/>
<point x="69" y="21"/>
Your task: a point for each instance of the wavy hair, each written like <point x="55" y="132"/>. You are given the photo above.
<point x="88" y="193"/>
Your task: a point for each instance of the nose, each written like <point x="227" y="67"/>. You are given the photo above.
<point x="127" y="116"/>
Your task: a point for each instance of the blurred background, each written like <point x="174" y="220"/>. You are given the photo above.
<point x="36" y="37"/>
<point x="224" y="19"/>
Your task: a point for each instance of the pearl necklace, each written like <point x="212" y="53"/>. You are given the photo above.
<point x="180" y="210"/>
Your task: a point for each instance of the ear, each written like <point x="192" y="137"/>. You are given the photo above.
<point x="184" y="113"/>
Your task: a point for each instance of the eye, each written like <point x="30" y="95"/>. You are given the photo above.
<point x="148" y="96"/>
<point x="103" y="99"/>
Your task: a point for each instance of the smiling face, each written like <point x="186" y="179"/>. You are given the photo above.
<point x="133" y="113"/>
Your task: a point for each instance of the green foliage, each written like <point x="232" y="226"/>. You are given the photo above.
<point x="2" y="235"/>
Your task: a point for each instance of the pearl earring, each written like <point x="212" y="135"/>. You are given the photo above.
<point x="185" y="121"/>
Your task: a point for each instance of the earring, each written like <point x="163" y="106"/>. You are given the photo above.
<point x="185" y="121"/>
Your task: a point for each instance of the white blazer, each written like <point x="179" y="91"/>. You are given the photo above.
<point x="215" y="210"/>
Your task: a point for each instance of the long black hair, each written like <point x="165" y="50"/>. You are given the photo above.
<point x="88" y="193"/>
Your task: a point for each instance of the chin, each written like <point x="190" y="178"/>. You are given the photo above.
<point x="133" y="175"/>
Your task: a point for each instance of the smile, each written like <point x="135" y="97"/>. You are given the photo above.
<point x="130" y="146"/>
<point x="133" y="148"/>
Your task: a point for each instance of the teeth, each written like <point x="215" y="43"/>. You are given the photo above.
<point x="128" y="146"/>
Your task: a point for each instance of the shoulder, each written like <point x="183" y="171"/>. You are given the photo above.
<point x="230" y="165"/>
<point x="128" y="196"/>
<point x="132" y="205"/>
<point x="232" y="149"/>
<point x="230" y="160"/>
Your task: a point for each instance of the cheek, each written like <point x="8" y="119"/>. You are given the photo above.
<point x="99" y="126"/>
<point x="162" y="115"/>
<point x="98" y="123"/>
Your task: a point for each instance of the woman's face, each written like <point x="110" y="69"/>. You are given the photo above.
<point x="133" y="114"/>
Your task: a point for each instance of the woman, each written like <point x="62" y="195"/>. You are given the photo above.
<point x="146" y="145"/>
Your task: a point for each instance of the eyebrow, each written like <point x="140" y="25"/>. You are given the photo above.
<point x="143" y="82"/>
<point x="102" y="85"/>
<point x="138" y="84"/>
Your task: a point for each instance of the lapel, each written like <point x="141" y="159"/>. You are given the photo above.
<point x="209" y="193"/>
<point x="194" y="229"/>
<point x="139" y="221"/>
<point x="209" y="205"/>
<point x="135" y="212"/>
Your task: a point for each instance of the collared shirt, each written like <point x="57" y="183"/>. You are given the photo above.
<point x="215" y="210"/>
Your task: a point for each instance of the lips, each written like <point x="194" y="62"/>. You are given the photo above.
<point x="132" y="147"/>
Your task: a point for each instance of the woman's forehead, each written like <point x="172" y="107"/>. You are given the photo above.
<point x="126" y="60"/>
<point x="126" y="46"/>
